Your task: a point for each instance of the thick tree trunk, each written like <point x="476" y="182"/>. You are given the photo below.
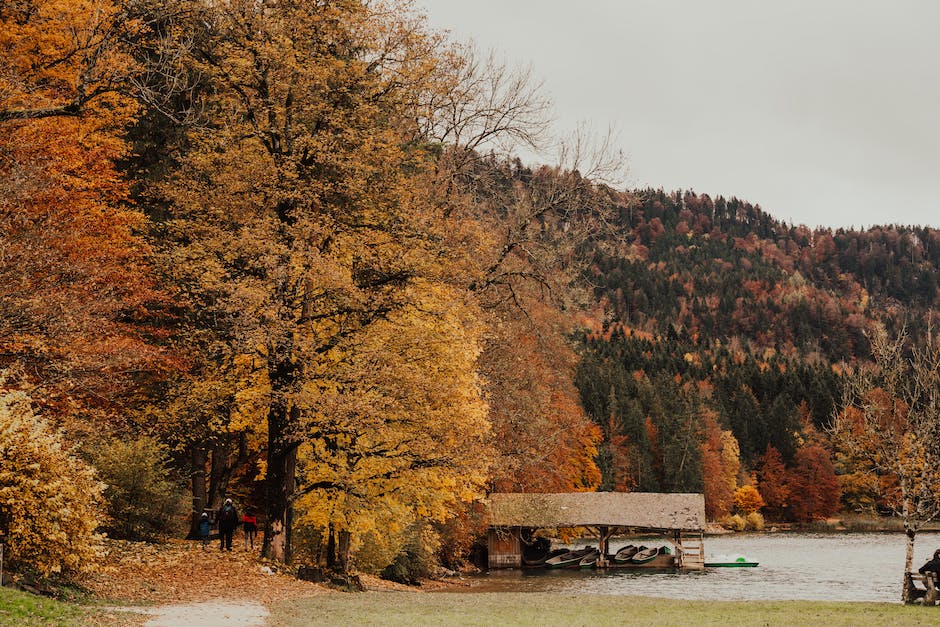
<point x="223" y="466"/>
<point x="279" y="487"/>
<point x="331" y="547"/>
<point x="219" y="474"/>
<point x="198" y="460"/>
<point x="342" y="551"/>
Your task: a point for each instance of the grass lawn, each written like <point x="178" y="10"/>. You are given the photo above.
<point x="22" y="608"/>
<point x="406" y="608"/>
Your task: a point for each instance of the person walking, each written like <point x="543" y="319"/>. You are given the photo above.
<point x="250" y="527"/>
<point x="205" y="527"/>
<point x="228" y="521"/>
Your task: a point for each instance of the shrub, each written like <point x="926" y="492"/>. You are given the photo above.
<point x="416" y="559"/>
<point x="142" y="499"/>
<point x="736" y="523"/>
<point x="755" y="521"/>
<point x="50" y="501"/>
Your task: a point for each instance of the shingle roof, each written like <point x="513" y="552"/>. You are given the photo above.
<point x="649" y="510"/>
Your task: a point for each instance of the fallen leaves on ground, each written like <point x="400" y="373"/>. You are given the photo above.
<point x="182" y="571"/>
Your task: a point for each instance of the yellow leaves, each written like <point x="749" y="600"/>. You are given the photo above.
<point x="49" y="499"/>
<point x="747" y="499"/>
<point x="58" y="54"/>
<point x="403" y="436"/>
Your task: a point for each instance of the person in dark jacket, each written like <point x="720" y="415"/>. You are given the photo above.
<point x="933" y="566"/>
<point x="228" y="521"/>
<point x="205" y="528"/>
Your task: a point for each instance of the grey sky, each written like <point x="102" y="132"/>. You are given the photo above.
<point x="824" y="112"/>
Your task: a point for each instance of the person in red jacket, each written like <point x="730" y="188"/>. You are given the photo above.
<point x="250" y="526"/>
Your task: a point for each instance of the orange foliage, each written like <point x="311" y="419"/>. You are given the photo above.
<point x="815" y="490"/>
<point x="719" y="468"/>
<point x="773" y="482"/>
<point x="76" y="283"/>
<point x="748" y="500"/>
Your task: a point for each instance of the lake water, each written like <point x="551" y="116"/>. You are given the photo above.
<point x="843" y="567"/>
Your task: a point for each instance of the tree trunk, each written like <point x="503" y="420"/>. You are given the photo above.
<point x="908" y="562"/>
<point x="331" y="547"/>
<point x="220" y="471"/>
<point x="279" y="486"/>
<point x="198" y="458"/>
<point x="911" y="532"/>
<point x="342" y="551"/>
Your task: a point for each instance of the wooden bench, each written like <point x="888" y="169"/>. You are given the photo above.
<point x="928" y="590"/>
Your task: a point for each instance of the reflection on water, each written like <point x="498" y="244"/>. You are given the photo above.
<point x="843" y="567"/>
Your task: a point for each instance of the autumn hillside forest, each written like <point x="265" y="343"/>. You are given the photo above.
<point x="283" y="252"/>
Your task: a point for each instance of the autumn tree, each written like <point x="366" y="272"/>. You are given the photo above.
<point x="773" y="483"/>
<point x="60" y="57"/>
<point x="890" y="421"/>
<point x="720" y="466"/>
<point x="78" y="312"/>
<point x="297" y="234"/>
<point x="814" y="487"/>
<point x="543" y="440"/>
<point x="748" y="500"/>
<point x="401" y="433"/>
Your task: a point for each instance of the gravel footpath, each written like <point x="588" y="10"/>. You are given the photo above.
<point x="208" y="614"/>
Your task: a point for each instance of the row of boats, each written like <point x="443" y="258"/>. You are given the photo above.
<point x="588" y="556"/>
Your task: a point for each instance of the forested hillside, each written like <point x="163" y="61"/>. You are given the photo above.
<point x="727" y="336"/>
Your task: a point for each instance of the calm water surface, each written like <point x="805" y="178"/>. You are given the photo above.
<point x="844" y="567"/>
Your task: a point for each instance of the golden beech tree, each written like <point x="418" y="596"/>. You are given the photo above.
<point x="401" y="429"/>
<point x="747" y="499"/>
<point x="889" y="424"/>
<point x="297" y="232"/>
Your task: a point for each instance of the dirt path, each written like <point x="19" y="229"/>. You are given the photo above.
<point x="208" y="614"/>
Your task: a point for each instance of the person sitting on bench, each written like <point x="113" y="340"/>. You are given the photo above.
<point x="933" y="566"/>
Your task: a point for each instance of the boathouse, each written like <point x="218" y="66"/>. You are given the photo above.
<point x="680" y="518"/>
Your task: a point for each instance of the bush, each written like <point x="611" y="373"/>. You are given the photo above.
<point x="736" y="523"/>
<point x="755" y="521"/>
<point x="416" y="559"/>
<point x="50" y="501"/>
<point x="143" y="501"/>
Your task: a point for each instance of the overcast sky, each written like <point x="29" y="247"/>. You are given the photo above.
<point x="824" y="112"/>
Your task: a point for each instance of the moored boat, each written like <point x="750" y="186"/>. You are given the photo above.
<point x="540" y="562"/>
<point x="569" y="559"/>
<point x="589" y="560"/>
<point x="644" y="556"/>
<point x="624" y="554"/>
<point x="729" y="561"/>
